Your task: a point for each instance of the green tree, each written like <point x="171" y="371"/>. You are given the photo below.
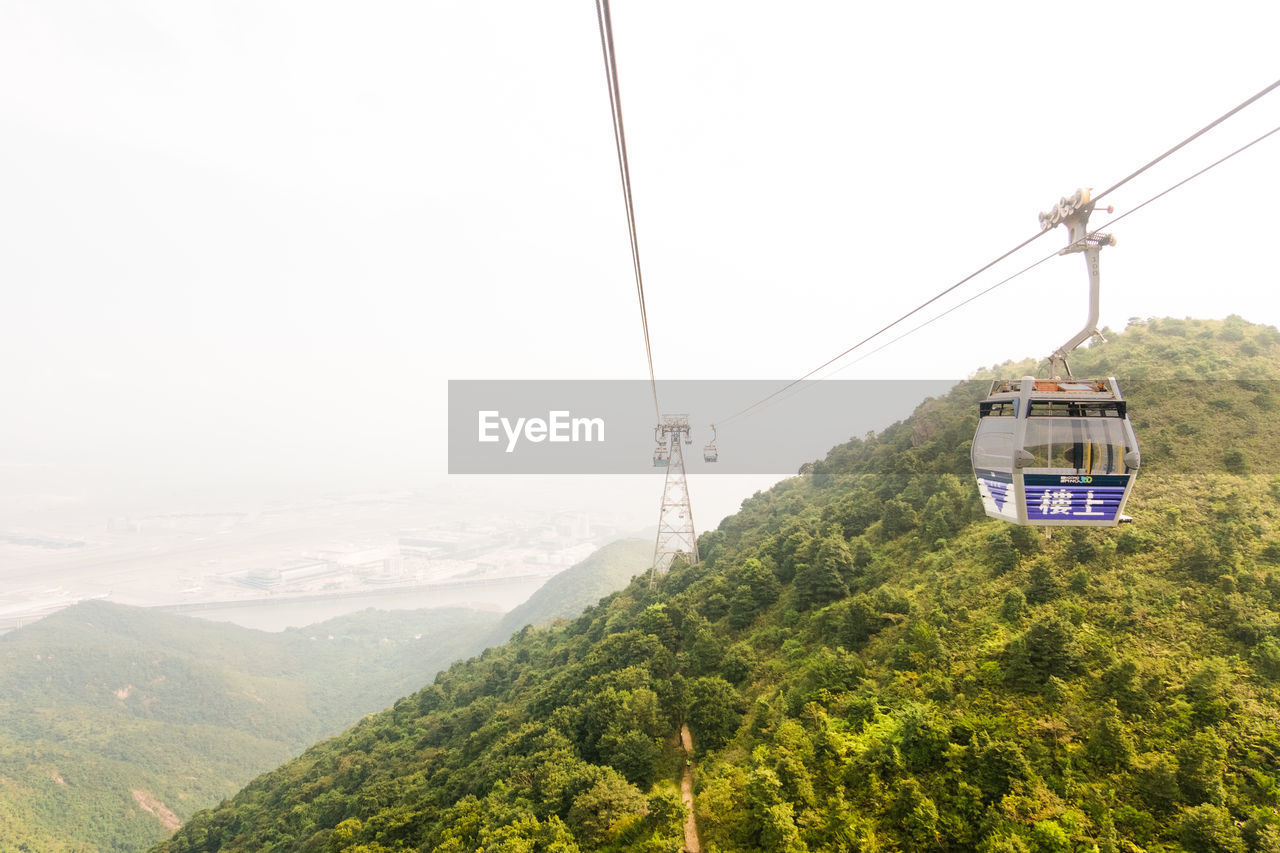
<point x="1207" y="828"/>
<point x="1109" y="743"/>
<point x="1201" y="560"/>
<point x="1266" y="657"/>
<point x="819" y="583"/>
<point x="1013" y="605"/>
<point x="861" y="619"/>
<point x="1235" y="461"/>
<point x="600" y="809"/>
<point x="863" y="553"/>
<point x="527" y="834"/>
<point x="706" y="652"/>
<point x="655" y="620"/>
<point x="1002" y="556"/>
<point x="1119" y="683"/>
<point x="939" y="519"/>
<point x="344" y="835"/>
<point x="714" y="711"/>
<point x="914" y="815"/>
<point x="1209" y="691"/>
<point x="1025" y="539"/>
<point x="742" y="607"/>
<point x="636" y="755"/>
<point x="1080" y="545"/>
<point x="898" y="517"/>
<point x="1048" y="648"/>
<point x="1156" y="778"/>
<point x="756" y="588"/>
<point x="716" y="607"/>
<point x="1003" y="843"/>
<point x="1201" y="763"/>
<point x="833" y="551"/>
<point x="855" y="512"/>
<point x="1261" y="835"/>
<point x="994" y="765"/>
<point x="1042" y="584"/>
<point x="738" y="664"/>
<point x="1050" y="837"/>
<point x="770" y="818"/>
<point x="923" y="735"/>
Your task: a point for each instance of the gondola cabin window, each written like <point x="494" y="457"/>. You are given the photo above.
<point x="1075" y="437"/>
<point x="998" y="409"/>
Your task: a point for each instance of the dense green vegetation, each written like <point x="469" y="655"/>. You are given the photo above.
<point x="868" y="664"/>
<point x="576" y="588"/>
<point x="116" y="722"/>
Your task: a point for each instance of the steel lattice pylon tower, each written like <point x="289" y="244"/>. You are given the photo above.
<point x="675" y="520"/>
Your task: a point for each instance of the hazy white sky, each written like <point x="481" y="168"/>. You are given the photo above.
<point x="249" y="242"/>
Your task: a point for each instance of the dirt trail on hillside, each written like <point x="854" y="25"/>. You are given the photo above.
<point x="691" y="843"/>
<point x="152" y="805"/>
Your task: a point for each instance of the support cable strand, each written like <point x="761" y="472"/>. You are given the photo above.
<point x="1201" y="132"/>
<point x="882" y="329"/>
<point x="1020" y="246"/>
<point x="624" y="170"/>
<point x="1030" y="267"/>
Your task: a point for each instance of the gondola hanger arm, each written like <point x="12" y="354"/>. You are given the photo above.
<point x="1073" y="211"/>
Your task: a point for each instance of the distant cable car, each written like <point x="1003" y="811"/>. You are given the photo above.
<point x="710" y="453"/>
<point x="661" y="452"/>
<point x="1055" y="452"/>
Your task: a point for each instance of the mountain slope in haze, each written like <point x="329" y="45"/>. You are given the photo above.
<point x="116" y="722"/>
<point x="867" y="663"/>
<point x="575" y="589"/>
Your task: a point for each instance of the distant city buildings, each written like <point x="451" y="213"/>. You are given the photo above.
<point x="300" y="573"/>
<point x="460" y="553"/>
<point x="241" y="557"/>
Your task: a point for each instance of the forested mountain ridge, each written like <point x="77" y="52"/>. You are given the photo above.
<point x="867" y="663"/>
<point x="578" y="587"/>
<point x="116" y="722"/>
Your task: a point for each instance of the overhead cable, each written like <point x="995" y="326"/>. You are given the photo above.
<point x="1020" y="246"/>
<point x="624" y="170"/>
<point x="1030" y="267"/>
<point x="1201" y="132"/>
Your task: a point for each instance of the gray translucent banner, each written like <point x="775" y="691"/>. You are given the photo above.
<point x="607" y="426"/>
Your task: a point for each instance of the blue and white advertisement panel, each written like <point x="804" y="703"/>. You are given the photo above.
<point x="1074" y="497"/>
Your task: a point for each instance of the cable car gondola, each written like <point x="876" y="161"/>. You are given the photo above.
<point x="709" y="452"/>
<point x="1058" y="452"/>
<point x="661" y="450"/>
<point x="1055" y="452"/>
